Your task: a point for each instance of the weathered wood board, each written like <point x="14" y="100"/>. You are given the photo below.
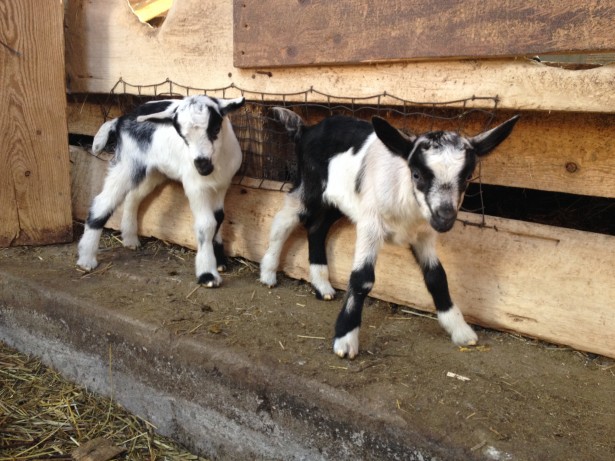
<point x="321" y="32"/>
<point x="194" y="47"/>
<point x="541" y="281"/>
<point x="34" y="176"/>
<point x="560" y="152"/>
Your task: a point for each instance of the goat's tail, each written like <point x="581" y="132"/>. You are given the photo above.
<point x="291" y="121"/>
<point x="101" y="138"/>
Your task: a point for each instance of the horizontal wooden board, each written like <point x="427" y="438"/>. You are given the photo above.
<point x="34" y="172"/>
<point x="560" y="152"/>
<point x="545" y="282"/>
<point x="320" y="32"/>
<point x="194" y="47"/>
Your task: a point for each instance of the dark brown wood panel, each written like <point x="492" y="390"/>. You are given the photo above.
<point x="270" y="33"/>
<point x="35" y="202"/>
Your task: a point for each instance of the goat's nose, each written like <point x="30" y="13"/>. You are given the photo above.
<point x="443" y="218"/>
<point x="203" y="166"/>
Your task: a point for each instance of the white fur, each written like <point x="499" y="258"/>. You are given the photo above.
<point x="348" y="345"/>
<point x="453" y="323"/>
<point x="319" y="277"/>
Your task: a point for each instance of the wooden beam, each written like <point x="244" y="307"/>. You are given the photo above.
<point x="194" y="47"/>
<point x="322" y="32"/>
<point x="541" y="281"/>
<point x="559" y="152"/>
<point x="34" y="176"/>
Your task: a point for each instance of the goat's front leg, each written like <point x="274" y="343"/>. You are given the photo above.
<point x="449" y="315"/>
<point x="369" y="241"/>
<point x="205" y="227"/>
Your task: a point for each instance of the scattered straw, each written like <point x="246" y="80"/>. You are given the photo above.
<point x="42" y="416"/>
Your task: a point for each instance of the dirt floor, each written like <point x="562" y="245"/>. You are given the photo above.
<point x="508" y="398"/>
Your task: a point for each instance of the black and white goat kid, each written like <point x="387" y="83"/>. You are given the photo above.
<point x="188" y="140"/>
<point x="394" y="187"/>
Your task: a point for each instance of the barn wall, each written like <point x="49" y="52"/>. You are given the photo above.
<point x="34" y="171"/>
<point x="194" y="47"/>
<point x="564" y="143"/>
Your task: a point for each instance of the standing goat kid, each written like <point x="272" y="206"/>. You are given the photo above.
<point x="394" y="187"/>
<point x="188" y="140"/>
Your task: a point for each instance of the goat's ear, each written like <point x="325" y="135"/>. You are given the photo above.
<point x="485" y="142"/>
<point x="396" y="141"/>
<point x="229" y="105"/>
<point x="166" y="114"/>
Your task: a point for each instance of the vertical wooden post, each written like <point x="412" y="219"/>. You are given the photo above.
<point x="35" y="201"/>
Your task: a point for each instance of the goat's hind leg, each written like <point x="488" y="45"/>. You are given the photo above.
<point x="449" y="315"/>
<point x="283" y="224"/>
<point x="318" y="228"/>
<point x="134" y="198"/>
<point x="117" y="184"/>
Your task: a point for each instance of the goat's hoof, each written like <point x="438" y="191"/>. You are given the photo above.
<point x="465" y="337"/>
<point x="347" y="345"/>
<point x="221" y="268"/>
<point x="268" y="279"/>
<point x="209" y="280"/>
<point x="325" y="296"/>
<point x="132" y="243"/>
<point x="87" y="264"/>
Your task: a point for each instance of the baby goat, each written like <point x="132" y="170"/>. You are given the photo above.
<point x="188" y="140"/>
<point x="394" y="187"/>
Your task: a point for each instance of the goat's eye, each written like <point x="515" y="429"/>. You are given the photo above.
<point x="416" y="175"/>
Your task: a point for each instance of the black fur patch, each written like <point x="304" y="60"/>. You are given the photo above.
<point x="359" y="287"/>
<point x="205" y="278"/>
<point x="437" y="284"/>
<point x="318" y="227"/>
<point x="97" y="222"/>
<point x="142" y="133"/>
<point x="138" y="174"/>
<point x="214" y="126"/>
<point x="178" y="128"/>
<point x="219" y="215"/>
<point x="219" y="254"/>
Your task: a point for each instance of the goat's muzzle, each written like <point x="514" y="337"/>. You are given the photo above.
<point x="443" y="218"/>
<point x="203" y="166"/>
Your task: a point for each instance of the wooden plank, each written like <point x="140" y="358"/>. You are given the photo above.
<point x="541" y="281"/>
<point x="559" y="152"/>
<point x="321" y="32"/>
<point x="34" y="178"/>
<point x="194" y="47"/>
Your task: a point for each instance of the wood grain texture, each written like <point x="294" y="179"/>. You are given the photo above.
<point x="558" y="152"/>
<point x="322" y="32"/>
<point x="194" y="47"/>
<point x="545" y="282"/>
<point x="34" y="177"/>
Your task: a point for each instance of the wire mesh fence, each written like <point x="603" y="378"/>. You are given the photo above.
<point x="269" y="160"/>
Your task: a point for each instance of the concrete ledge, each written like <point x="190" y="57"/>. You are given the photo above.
<point x="245" y="372"/>
<point x="215" y="401"/>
